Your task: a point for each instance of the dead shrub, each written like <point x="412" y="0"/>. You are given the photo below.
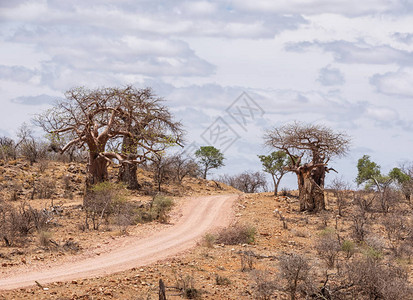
<point x="186" y="286"/>
<point x="396" y="231"/>
<point x="247" y="260"/>
<point x="43" y="165"/>
<point x="44" y="238"/>
<point x="340" y="191"/>
<point x="237" y="234"/>
<point x="387" y="199"/>
<point x="67" y="186"/>
<point x="265" y="286"/>
<point x="247" y="182"/>
<point x="294" y="273"/>
<point x="328" y="247"/>
<point x="71" y="245"/>
<point x="45" y="188"/>
<point x="17" y="223"/>
<point x="359" y="225"/>
<point x="370" y="279"/>
<point x="364" y="200"/>
<point x="221" y="280"/>
<point x="15" y="190"/>
<point x="102" y="201"/>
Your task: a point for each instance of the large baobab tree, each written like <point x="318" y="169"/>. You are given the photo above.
<point x="150" y="129"/>
<point x="310" y="148"/>
<point x="98" y="118"/>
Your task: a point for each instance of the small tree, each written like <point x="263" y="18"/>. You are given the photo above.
<point x="28" y="146"/>
<point x="404" y="180"/>
<point x="183" y="166"/>
<point x="210" y="158"/>
<point x="275" y="164"/>
<point x="340" y="190"/>
<point x="369" y="172"/>
<point x="161" y="167"/>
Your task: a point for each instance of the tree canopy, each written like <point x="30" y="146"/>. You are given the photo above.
<point x="275" y="164"/>
<point x="210" y="158"/>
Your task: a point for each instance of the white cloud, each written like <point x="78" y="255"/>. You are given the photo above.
<point x="329" y="76"/>
<point x="347" y="7"/>
<point x="399" y="83"/>
<point x="382" y="114"/>
<point x="200" y="7"/>
<point x="16" y="73"/>
<point x="35" y="100"/>
<point x="357" y="52"/>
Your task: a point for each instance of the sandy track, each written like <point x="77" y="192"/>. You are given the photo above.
<point x="199" y="215"/>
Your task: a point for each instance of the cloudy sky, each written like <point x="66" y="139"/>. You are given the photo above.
<point x="230" y="67"/>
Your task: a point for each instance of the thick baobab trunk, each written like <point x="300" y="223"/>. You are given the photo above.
<point x="127" y="170"/>
<point x="127" y="174"/>
<point x="97" y="170"/>
<point x="311" y="188"/>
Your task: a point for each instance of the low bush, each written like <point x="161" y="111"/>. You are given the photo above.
<point x="160" y="208"/>
<point x="328" y="247"/>
<point x="237" y="234"/>
<point x="265" y="286"/>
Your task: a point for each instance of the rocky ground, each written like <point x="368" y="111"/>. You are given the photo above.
<point x="210" y="270"/>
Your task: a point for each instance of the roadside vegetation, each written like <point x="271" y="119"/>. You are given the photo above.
<point x="112" y="161"/>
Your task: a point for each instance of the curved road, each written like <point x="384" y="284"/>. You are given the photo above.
<point x="199" y="215"/>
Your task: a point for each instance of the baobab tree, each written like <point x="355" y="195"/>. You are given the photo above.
<point x="150" y="129"/>
<point x="310" y="148"/>
<point x="98" y="118"/>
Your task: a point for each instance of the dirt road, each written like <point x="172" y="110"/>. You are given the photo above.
<point x="199" y="215"/>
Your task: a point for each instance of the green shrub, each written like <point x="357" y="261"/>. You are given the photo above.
<point x="103" y="200"/>
<point x="160" y="208"/>
<point x="221" y="280"/>
<point x="209" y="240"/>
<point x="44" y="238"/>
<point x="349" y="248"/>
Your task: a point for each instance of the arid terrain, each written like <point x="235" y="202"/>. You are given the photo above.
<point x="217" y="267"/>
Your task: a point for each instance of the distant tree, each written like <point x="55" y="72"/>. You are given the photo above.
<point x="367" y="170"/>
<point x="183" y="166"/>
<point x="310" y="149"/>
<point x="275" y="164"/>
<point x="7" y="148"/>
<point x="161" y="167"/>
<point x="369" y="173"/>
<point x="404" y="179"/>
<point x="209" y="158"/>
<point x="247" y="182"/>
<point x="28" y="146"/>
<point x="340" y="190"/>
